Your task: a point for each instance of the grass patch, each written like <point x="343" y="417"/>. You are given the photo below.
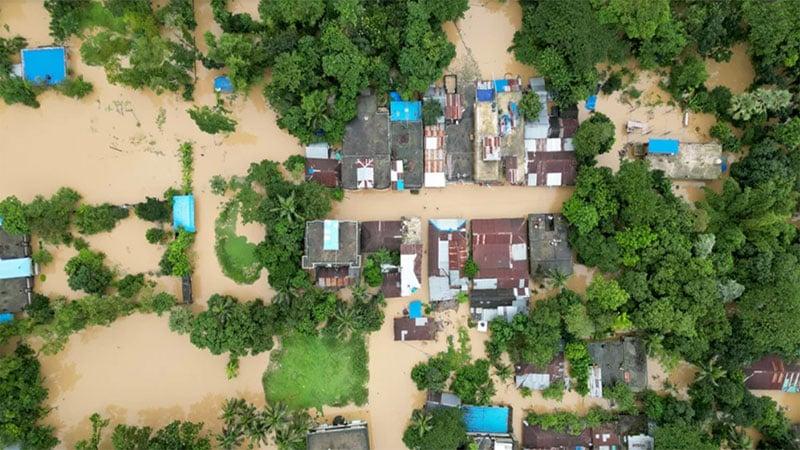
<point x="235" y="254"/>
<point x="312" y="371"/>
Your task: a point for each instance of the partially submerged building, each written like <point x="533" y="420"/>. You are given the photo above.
<point x="539" y="378"/>
<point x="448" y="250"/>
<point x="405" y="140"/>
<point x="365" y="149"/>
<point x="772" y="373"/>
<point x="414" y="326"/>
<point x="499" y="132"/>
<point x="16" y="272"/>
<point x="549" y="151"/>
<point x="489" y="422"/>
<point x="534" y="437"/>
<point x="607" y="436"/>
<point x="350" y="436"/>
<point x="685" y="161"/>
<point x="322" y="165"/>
<point x="183" y="213"/>
<point x="404" y="238"/>
<point x="442" y="400"/>
<point x="435" y="156"/>
<point x="332" y="252"/>
<point x="619" y="361"/>
<point x="459" y="130"/>
<point x="44" y="65"/>
<point x="500" y="288"/>
<point x="548" y="244"/>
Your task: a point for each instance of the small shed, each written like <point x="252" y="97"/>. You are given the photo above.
<point x="183" y="213"/>
<point x="223" y="84"/>
<point x="663" y="146"/>
<point x="402" y="111"/>
<point x="46" y="65"/>
<point x="186" y="289"/>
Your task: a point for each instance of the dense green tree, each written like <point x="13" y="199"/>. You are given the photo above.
<point x="87" y="271"/>
<point x="17" y="90"/>
<point x="66" y="17"/>
<point x="241" y="54"/>
<point x="712" y="26"/>
<point x="564" y="41"/>
<point x="22" y="402"/>
<point x="230" y="326"/>
<point x="788" y="133"/>
<point x="681" y="436"/>
<point x="12" y="210"/>
<point x="473" y="383"/>
<point x="531" y="105"/>
<point x="154" y="210"/>
<point x="426" y="51"/>
<point x="593" y="138"/>
<point x="97" y="219"/>
<point x="639" y="19"/>
<point x="50" y="219"/>
<point x="431" y="375"/>
<point x="686" y="77"/>
<point x="774" y="39"/>
<point x="759" y="103"/>
<point x="432" y="112"/>
<point x="438" y="429"/>
<point x="723" y="132"/>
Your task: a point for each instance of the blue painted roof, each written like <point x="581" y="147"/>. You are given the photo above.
<point x="6" y="318"/>
<point x="486" y="419"/>
<point x="485" y="95"/>
<point x="15" y="268"/>
<point x="330" y="235"/>
<point x="500" y="85"/>
<point x="415" y="309"/>
<point x="44" y="65"/>
<point x="591" y="102"/>
<point x="223" y="84"/>
<point x="405" y="111"/>
<point x="183" y="213"/>
<point x="663" y="146"/>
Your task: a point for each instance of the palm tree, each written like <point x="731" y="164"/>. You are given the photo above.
<point x="344" y="320"/>
<point x="231" y="437"/>
<point x="737" y="439"/>
<point x="287" y="209"/>
<point x="421" y="422"/>
<point x="260" y="429"/>
<point x="275" y="415"/>
<point x="230" y="410"/>
<point x="503" y="371"/>
<point x="711" y="371"/>
<point x="559" y="278"/>
<point x="293" y="432"/>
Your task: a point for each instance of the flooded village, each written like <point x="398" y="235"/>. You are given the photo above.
<point x="479" y="182"/>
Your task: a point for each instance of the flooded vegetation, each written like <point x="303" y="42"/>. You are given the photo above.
<point x="120" y="145"/>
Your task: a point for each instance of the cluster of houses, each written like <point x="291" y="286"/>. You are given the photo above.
<point x="480" y="136"/>
<point x="16" y="274"/>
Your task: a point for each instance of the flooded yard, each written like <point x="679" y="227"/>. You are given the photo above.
<point x="119" y="146"/>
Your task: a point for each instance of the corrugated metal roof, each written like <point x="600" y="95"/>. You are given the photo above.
<point x="183" y="213"/>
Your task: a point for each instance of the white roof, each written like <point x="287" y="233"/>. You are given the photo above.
<point x="531" y="179"/>
<point x="409" y="283"/>
<point x="519" y="252"/>
<point x="534" y="381"/>
<point x="485" y="283"/>
<point x="435" y="179"/>
<point x="530" y="145"/>
<point x="554" y="179"/>
<point x="431" y="143"/>
<point x="553" y="145"/>
<point x="318" y="150"/>
<point x="595" y="382"/>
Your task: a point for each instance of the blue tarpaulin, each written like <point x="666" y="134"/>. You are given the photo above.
<point x="663" y="146"/>
<point x="44" y="65"/>
<point x="406" y="111"/>
<point x="485" y="95"/>
<point x="415" y="309"/>
<point x="501" y="85"/>
<point x="395" y="96"/>
<point x="486" y="419"/>
<point x="591" y="102"/>
<point x="6" y="318"/>
<point x="15" y="268"/>
<point x="183" y="213"/>
<point x="223" y="84"/>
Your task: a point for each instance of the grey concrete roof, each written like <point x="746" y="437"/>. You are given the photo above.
<point x="346" y="437"/>
<point x="622" y="360"/>
<point x="366" y="138"/>
<point x="548" y="246"/>
<point x="348" y="253"/>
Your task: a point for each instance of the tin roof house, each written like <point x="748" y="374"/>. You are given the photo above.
<point x="549" y="152"/>
<point x="499" y="132"/>
<point x="539" y="378"/>
<point x="401" y="236"/>
<point x="405" y="141"/>
<point x="534" y="437"/>
<point x="16" y="272"/>
<point x="434" y="143"/>
<point x="549" y="246"/>
<point x="771" y="373"/>
<point x="500" y="288"/>
<point x="332" y="252"/>
<point x="447" y="253"/>
<point x="459" y="129"/>
<point x="365" y="149"/>
<point x="322" y="165"/>
<point x="620" y="361"/>
<point x="349" y="436"/>
<point x="414" y="326"/>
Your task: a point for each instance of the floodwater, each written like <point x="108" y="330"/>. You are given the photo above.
<point x="112" y="147"/>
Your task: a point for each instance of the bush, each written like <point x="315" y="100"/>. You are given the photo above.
<point x="187" y="166"/>
<point x="176" y="260"/>
<point x="686" y="77"/>
<point x="723" y="132"/>
<point x="470" y="268"/>
<point x="577" y="354"/>
<point x="12" y="210"/>
<point x="555" y="391"/>
<point x="154" y="210"/>
<point x="130" y="285"/>
<point x="42" y="256"/>
<point x="473" y="383"/>
<point x="431" y="112"/>
<point x="181" y="320"/>
<point x="439" y="429"/>
<point x="531" y="105"/>
<point x="87" y="272"/>
<point x="40" y="311"/>
<point x="613" y="83"/>
<point x="51" y="219"/>
<point x="159" y="303"/>
<point x="97" y="219"/>
<point x="16" y="90"/>
<point x="219" y="185"/>
<point x="212" y="120"/>
<point x="296" y="165"/>
<point x="431" y="375"/>
<point x="155" y="235"/>
<point x="622" y="396"/>
<point x="75" y="87"/>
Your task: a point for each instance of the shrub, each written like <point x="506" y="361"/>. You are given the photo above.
<point x="473" y="383"/>
<point x="624" y="399"/>
<point x="212" y="120"/>
<point x="159" y="303"/>
<point x="181" y="320"/>
<point x="187" y="166"/>
<point x="155" y="235"/>
<point x="555" y="391"/>
<point x="17" y="90"/>
<point x="613" y="83"/>
<point x="97" y="219"/>
<point x="75" y="87"/>
<point x="470" y="268"/>
<point x="154" y="210"/>
<point x="51" y="219"/>
<point x="531" y="105"/>
<point x="577" y="354"/>
<point x="219" y="185"/>
<point x="593" y="137"/>
<point x="40" y="311"/>
<point x="296" y="165"/>
<point x="723" y="132"/>
<point x="130" y="285"/>
<point x="176" y="260"/>
<point x="431" y="375"/>
<point x="42" y="256"/>
<point x="87" y="272"/>
<point x="12" y="210"/>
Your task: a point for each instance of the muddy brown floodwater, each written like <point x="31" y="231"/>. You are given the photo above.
<point x="111" y="147"/>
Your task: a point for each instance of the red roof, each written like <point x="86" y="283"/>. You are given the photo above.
<point x="453" y="107"/>
<point x="541" y="163"/>
<point x="456" y="249"/>
<point x="771" y="373"/>
<point x="492" y="244"/>
<point x="324" y="171"/>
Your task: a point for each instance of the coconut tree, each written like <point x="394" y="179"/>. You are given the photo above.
<point x="711" y="371"/>
<point x="345" y="320"/>
<point x="231" y="437"/>
<point x="286" y="209"/>
<point x="737" y="439"/>
<point x="421" y="422"/>
<point x="558" y="277"/>
<point x="275" y="415"/>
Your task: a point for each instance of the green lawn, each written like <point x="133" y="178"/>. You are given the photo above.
<point x="312" y="371"/>
<point x="235" y="254"/>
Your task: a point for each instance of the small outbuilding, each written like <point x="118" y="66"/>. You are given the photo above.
<point x="549" y="245"/>
<point x="44" y="65"/>
<point x="183" y="213"/>
<point x="223" y="84"/>
<point x="620" y="361"/>
<point x="350" y="436"/>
